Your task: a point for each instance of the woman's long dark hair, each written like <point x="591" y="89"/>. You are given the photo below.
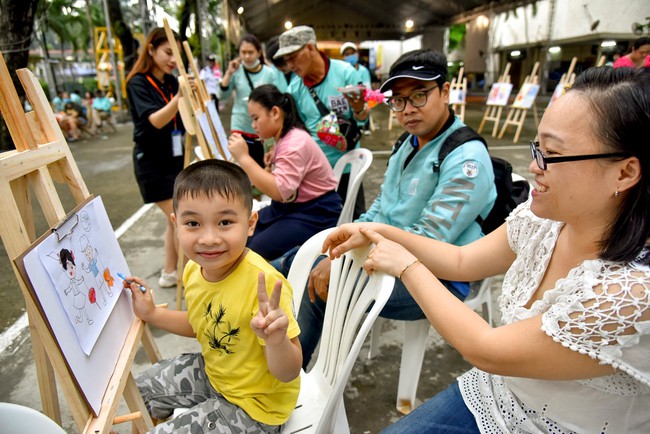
<point x="268" y="96"/>
<point x="620" y="101"/>
<point x="252" y="39"/>
<point x="145" y="62"/>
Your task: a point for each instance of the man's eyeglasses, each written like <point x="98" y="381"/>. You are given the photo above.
<point x="417" y="99"/>
<point x="543" y="161"/>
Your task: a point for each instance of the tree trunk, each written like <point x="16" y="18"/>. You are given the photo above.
<point x="123" y="33"/>
<point x="184" y="18"/>
<point x="17" y="24"/>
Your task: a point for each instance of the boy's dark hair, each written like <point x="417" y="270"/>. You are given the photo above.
<point x="213" y="177"/>
<point x="424" y="64"/>
<point x="619" y="99"/>
<point x="269" y="96"/>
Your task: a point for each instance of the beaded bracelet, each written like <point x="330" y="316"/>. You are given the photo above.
<point x="407" y="267"/>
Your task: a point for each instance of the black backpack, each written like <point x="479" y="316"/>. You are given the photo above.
<point x="509" y="194"/>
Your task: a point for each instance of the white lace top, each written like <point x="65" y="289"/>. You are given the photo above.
<point x="595" y="310"/>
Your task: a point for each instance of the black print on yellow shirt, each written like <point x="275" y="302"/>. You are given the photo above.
<point x="220" y="340"/>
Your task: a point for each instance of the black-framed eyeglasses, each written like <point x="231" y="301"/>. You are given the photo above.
<point x="417" y="99"/>
<point x="543" y="161"/>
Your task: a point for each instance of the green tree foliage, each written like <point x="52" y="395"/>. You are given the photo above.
<point x="17" y="24"/>
<point x="67" y="20"/>
<point x="456" y="36"/>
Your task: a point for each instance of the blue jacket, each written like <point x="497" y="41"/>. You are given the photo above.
<point x="340" y="74"/>
<point x="441" y="205"/>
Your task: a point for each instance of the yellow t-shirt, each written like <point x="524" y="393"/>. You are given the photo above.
<point x="220" y="314"/>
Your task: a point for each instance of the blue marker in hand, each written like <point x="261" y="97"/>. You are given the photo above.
<point x="123" y="277"/>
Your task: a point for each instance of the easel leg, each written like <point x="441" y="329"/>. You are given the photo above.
<point x="511" y="112"/>
<point x="149" y="345"/>
<point x="485" y="117"/>
<point x="45" y="375"/>
<point x="188" y="150"/>
<point x="520" y="124"/>
<point x="135" y="403"/>
<point x="496" y="122"/>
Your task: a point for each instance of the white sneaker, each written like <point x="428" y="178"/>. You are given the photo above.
<point x="167" y="280"/>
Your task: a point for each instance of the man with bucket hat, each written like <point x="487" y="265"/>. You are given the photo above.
<point x="419" y="194"/>
<point x="315" y="87"/>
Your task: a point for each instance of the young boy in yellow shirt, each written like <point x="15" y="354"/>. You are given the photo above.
<point x="239" y="308"/>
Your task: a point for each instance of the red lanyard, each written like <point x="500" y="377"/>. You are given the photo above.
<point x="153" y="83"/>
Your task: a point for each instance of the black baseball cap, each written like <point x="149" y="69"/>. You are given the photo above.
<point x="425" y="65"/>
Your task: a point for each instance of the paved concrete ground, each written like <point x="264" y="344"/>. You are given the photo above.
<point x="105" y="163"/>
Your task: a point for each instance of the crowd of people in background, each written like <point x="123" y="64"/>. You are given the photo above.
<point x="88" y="115"/>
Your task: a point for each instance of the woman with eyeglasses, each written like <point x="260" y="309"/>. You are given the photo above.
<point x="573" y="354"/>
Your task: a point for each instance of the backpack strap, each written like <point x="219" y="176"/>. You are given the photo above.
<point x="459" y="137"/>
<point x="319" y="104"/>
<point x="400" y="141"/>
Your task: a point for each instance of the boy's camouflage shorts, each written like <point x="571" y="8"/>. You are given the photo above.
<point x="181" y="382"/>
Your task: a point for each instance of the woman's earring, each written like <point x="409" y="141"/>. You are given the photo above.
<point x="616" y="193"/>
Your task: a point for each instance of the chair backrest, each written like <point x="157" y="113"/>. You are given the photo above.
<point x="18" y="418"/>
<point x="359" y="161"/>
<point x="353" y="303"/>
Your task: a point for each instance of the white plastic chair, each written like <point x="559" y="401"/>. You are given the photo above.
<point x="16" y="418"/>
<point x="320" y="407"/>
<point x="415" y="336"/>
<point x="359" y="160"/>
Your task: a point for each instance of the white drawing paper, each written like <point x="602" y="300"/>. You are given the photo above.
<point x="82" y="258"/>
<point x="499" y="94"/>
<point x="221" y="132"/>
<point x="526" y="96"/>
<point x="207" y="132"/>
<point x="457" y="96"/>
<point x="560" y="89"/>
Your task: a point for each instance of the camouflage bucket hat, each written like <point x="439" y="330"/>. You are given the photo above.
<point x="294" y="39"/>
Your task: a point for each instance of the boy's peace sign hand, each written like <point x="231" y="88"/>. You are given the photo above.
<point x="270" y="323"/>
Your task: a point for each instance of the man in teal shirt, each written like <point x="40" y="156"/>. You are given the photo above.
<point x="313" y="69"/>
<point x="419" y="194"/>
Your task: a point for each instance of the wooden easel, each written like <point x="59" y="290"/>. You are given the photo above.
<point x="193" y="106"/>
<point x="203" y="98"/>
<point x="189" y="107"/>
<point x="459" y="84"/>
<point x="516" y="115"/>
<point x="492" y="112"/>
<point x="42" y="157"/>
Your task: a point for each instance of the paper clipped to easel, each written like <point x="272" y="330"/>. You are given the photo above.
<point x="72" y="273"/>
<point x="526" y="96"/>
<point x="499" y="94"/>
